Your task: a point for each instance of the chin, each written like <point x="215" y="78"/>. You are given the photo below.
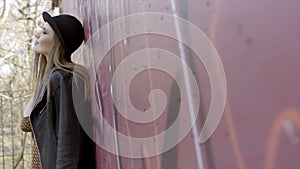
<point x="36" y="50"/>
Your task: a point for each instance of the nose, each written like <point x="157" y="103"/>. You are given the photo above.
<point x="37" y="35"/>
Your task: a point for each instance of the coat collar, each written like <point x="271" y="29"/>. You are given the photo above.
<point x="41" y="93"/>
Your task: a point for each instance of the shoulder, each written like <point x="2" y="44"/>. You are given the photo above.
<point x="60" y="78"/>
<point x="60" y="74"/>
<point x="63" y="77"/>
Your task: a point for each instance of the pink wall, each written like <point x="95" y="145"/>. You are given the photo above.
<point x="259" y="45"/>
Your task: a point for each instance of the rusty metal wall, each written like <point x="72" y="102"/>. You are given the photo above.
<point x="259" y="45"/>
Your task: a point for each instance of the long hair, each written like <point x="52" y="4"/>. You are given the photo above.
<point x="57" y="59"/>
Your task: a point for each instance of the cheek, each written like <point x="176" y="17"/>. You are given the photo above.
<point x="44" y="46"/>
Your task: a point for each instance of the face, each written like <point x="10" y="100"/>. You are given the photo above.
<point x="44" y="40"/>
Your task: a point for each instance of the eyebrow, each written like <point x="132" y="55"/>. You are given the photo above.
<point x="45" y="29"/>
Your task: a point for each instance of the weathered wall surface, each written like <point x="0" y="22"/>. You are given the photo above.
<point x="259" y="45"/>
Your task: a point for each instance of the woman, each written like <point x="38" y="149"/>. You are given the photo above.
<point x="60" y="103"/>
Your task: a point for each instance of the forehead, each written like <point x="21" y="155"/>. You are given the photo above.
<point x="48" y="27"/>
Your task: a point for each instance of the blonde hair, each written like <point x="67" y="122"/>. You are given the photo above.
<point x="57" y="59"/>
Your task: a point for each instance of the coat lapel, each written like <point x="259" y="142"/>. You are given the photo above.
<point x="41" y="93"/>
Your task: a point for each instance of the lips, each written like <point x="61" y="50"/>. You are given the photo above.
<point x="36" y="42"/>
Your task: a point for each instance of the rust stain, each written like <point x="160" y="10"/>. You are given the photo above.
<point x="158" y="158"/>
<point x="289" y="114"/>
<point x="233" y="136"/>
<point x="227" y="110"/>
<point x="214" y="22"/>
<point x="126" y="109"/>
<point x="127" y="126"/>
<point x="147" y="160"/>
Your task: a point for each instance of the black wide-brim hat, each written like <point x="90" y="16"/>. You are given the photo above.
<point x="68" y="29"/>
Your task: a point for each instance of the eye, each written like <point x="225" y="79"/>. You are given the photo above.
<point x="44" y="31"/>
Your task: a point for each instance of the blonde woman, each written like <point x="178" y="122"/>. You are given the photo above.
<point x="60" y="141"/>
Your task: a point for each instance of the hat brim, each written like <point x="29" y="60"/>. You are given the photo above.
<point x="48" y="18"/>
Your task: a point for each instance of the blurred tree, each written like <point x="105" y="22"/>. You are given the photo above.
<point x="19" y="19"/>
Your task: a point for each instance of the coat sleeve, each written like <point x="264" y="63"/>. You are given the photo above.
<point x="67" y="127"/>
